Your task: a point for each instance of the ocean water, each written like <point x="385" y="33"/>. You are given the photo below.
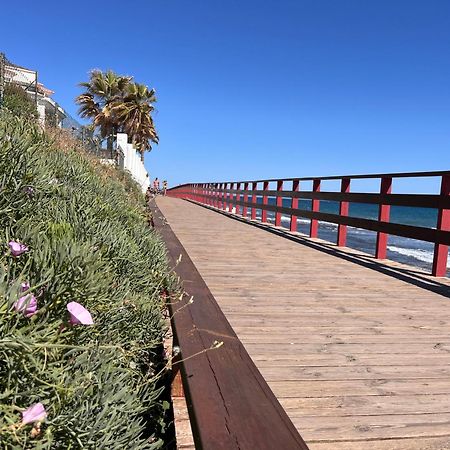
<point x="408" y="251"/>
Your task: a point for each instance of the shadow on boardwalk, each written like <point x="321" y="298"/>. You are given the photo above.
<point x="399" y="271"/>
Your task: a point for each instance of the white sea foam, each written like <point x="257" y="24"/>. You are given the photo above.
<point x="419" y="254"/>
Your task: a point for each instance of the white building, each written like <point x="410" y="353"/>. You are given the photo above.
<point x="129" y="159"/>
<point x="49" y="111"/>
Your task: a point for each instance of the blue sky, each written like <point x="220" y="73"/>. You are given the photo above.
<point x="254" y="89"/>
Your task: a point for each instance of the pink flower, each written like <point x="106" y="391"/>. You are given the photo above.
<point x="26" y="305"/>
<point x="79" y="315"/>
<point x="35" y="413"/>
<point x="25" y="286"/>
<point x="17" y="248"/>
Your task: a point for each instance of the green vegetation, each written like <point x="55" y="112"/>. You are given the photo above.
<point x="87" y="241"/>
<point x="18" y="102"/>
<point x="117" y="104"/>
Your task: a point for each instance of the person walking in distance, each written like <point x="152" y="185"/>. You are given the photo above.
<point x="164" y="187"/>
<point x="156" y="185"/>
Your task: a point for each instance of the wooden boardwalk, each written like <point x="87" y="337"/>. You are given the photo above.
<point x="357" y="352"/>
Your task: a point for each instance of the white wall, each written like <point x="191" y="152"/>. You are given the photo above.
<point x="130" y="160"/>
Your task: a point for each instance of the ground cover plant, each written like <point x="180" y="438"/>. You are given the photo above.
<point x="81" y="309"/>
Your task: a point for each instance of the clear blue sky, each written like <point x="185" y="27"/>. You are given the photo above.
<point x="254" y="89"/>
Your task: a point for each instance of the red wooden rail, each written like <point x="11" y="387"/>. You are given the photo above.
<point x="227" y="195"/>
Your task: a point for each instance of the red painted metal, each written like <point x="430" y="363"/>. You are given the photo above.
<point x="220" y="195"/>
<point x="343" y="211"/>
<point x="244" y="209"/>
<point x="265" y="201"/>
<point x="230" y="199"/>
<point x="225" y="197"/>
<point x="383" y="216"/>
<point x="238" y="198"/>
<point x="443" y="223"/>
<point x="214" y="195"/>
<point x="315" y="206"/>
<point x="279" y="203"/>
<point x="294" y="205"/>
<point x="254" y="186"/>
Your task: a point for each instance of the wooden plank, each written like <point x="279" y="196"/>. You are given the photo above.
<point x="367" y="405"/>
<point x="437" y="443"/>
<point x="332" y="388"/>
<point x="230" y="404"/>
<point x="381" y="427"/>
<point x="293" y="373"/>
<point x="358" y="357"/>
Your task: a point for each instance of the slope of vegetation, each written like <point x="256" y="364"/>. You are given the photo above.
<point x="81" y="309"/>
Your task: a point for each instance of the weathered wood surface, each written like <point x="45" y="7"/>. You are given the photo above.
<point x="358" y="358"/>
<point x="230" y="405"/>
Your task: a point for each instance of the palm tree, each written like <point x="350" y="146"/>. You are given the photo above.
<point x="103" y="91"/>
<point x="134" y="113"/>
<point x="116" y="104"/>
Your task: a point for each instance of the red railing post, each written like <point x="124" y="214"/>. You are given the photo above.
<point x="244" y="209"/>
<point x="230" y="198"/>
<point x="265" y="200"/>
<point x="279" y="203"/>
<point x="343" y="212"/>
<point x="315" y="206"/>
<point x="443" y="223"/>
<point x="221" y="195"/>
<point x="383" y="216"/>
<point x="294" y="204"/>
<point x="216" y="195"/>
<point x="225" y="197"/>
<point x="254" y="201"/>
<point x="238" y="198"/>
<point x="209" y="193"/>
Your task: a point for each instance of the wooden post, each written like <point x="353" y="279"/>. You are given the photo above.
<point x="238" y="198"/>
<point x="315" y="206"/>
<point x="383" y="216"/>
<point x="225" y="197"/>
<point x="230" y="198"/>
<point x="222" y="196"/>
<point x="443" y="223"/>
<point x="343" y="212"/>
<point x="294" y="204"/>
<point x="244" y="209"/>
<point x="265" y="200"/>
<point x="279" y="203"/>
<point x="210" y="194"/>
<point x="254" y="186"/>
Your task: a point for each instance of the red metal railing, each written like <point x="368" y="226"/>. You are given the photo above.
<point x="226" y="195"/>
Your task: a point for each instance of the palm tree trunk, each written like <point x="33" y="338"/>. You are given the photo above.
<point x="110" y="145"/>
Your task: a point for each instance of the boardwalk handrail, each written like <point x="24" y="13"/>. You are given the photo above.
<point x="230" y="405"/>
<point x="228" y="195"/>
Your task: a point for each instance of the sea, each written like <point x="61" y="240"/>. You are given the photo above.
<point x="404" y="250"/>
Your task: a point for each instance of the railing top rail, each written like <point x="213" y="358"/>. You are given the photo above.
<point x="338" y="177"/>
